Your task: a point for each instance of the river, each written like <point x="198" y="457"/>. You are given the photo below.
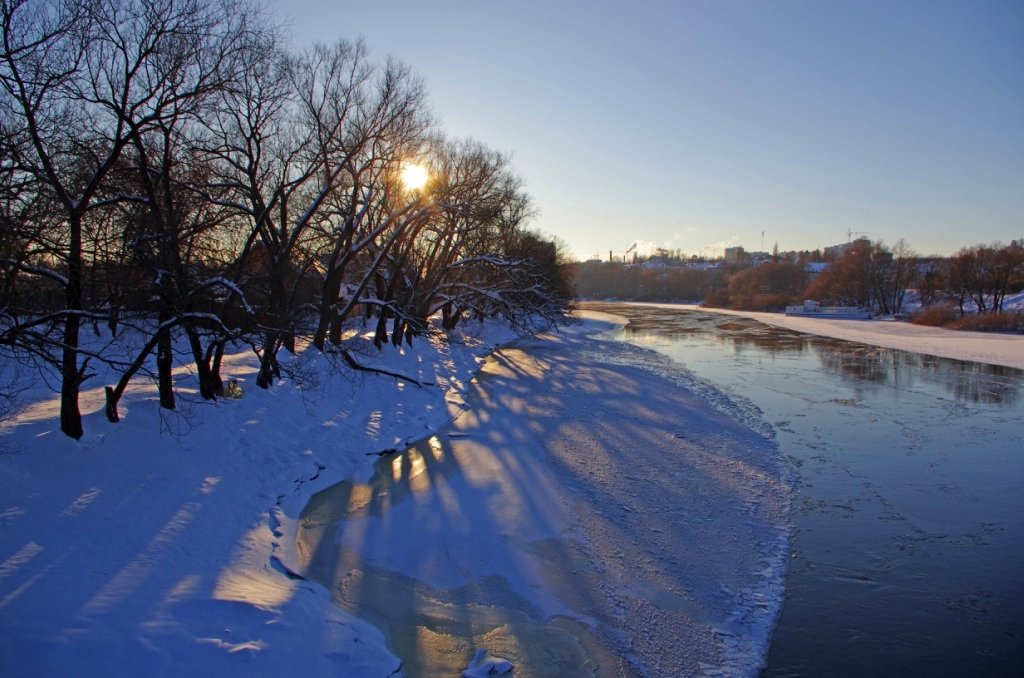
<point x="908" y="512"/>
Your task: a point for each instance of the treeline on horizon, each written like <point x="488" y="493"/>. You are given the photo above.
<point x="966" y="290"/>
<point x="171" y="168"/>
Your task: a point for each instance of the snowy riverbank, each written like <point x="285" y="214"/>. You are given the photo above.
<point x="594" y="508"/>
<point x="154" y="546"/>
<point x="147" y="547"/>
<point x="993" y="349"/>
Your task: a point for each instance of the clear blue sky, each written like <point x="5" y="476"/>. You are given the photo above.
<point x="698" y="125"/>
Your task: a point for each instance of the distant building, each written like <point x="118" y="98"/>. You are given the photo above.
<point x="733" y="254"/>
<point x="838" y="250"/>
<point x="654" y="262"/>
<point x="758" y="258"/>
<point x="704" y="265"/>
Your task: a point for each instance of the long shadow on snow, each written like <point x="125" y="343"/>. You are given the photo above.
<point x="613" y="490"/>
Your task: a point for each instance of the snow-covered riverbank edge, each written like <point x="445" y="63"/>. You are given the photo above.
<point x="1006" y="350"/>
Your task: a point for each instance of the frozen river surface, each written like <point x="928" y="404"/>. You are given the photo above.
<point x="909" y="507"/>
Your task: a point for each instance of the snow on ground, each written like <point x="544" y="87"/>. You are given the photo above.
<point x="982" y="347"/>
<point x="589" y="510"/>
<point x="166" y="544"/>
<point x="154" y="546"/>
<point x="147" y="547"/>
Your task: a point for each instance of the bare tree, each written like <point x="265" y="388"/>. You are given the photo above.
<point x="86" y="82"/>
<point x="984" y="274"/>
<point x="458" y="261"/>
<point x="961" y="275"/>
<point x="893" y="273"/>
<point x="905" y="273"/>
<point x="848" y="280"/>
<point x="166" y="167"/>
<point x="1007" y="265"/>
<point x="202" y="49"/>
<point x="312" y="166"/>
<point x="373" y="215"/>
<point x="768" y="287"/>
<point x="69" y="149"/>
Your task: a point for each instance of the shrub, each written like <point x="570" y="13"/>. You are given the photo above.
<point x="717" y="299"/>
<point x="1005" y="321"/>
<point x="768" y="287"/>
<point x="934" y="316"/>
<point x="762" y="301"/>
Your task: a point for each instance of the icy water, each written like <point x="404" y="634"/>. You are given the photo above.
<point x="908" y="516"/>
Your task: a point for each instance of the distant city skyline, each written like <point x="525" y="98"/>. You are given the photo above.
<point x="698" y="125"/>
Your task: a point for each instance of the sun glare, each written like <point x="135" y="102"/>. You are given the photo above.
<point x="414" y="177"/>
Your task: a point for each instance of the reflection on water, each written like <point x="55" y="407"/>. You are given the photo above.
<point x="966" y="381"/>
<point x="909" y="513"/>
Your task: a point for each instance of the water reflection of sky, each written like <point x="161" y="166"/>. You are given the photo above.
<point x="968" y="382"/>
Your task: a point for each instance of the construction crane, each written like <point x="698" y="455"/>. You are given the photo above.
<point x="632" y="248"/>
<point x="850" y="234"/>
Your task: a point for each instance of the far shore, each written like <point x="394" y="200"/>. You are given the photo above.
<point x="994" y="349"/>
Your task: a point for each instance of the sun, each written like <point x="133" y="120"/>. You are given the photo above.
<point x="414" y="177"/>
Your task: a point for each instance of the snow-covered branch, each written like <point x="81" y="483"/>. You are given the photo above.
<point x="232" y="287"/>
<point x="491" y="259"/>
<point x="37" y="270"/>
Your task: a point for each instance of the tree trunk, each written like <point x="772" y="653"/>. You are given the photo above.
<point x="207" y="388"/>
<point x="328" y="324"/>
<point x="336" y="323"/>
<point x="450" y="318"/>
<point x="278" y="305"/>
<point x="112" y="320"/>
<point x="218" y="357"/>
<point x="380" y="337"/>
<point x="269" y="368"/>
<point x="164" y="364"/>
<point x="70" y="414"/>
<point x="114" y="393"/>
<point x="111" y="407"/>
<point x="397" y="331"/>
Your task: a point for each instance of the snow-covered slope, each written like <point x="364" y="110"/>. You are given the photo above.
<point x="147" y="547"/>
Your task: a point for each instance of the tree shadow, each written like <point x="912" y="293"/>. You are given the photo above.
<point x="567" y="490"/>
